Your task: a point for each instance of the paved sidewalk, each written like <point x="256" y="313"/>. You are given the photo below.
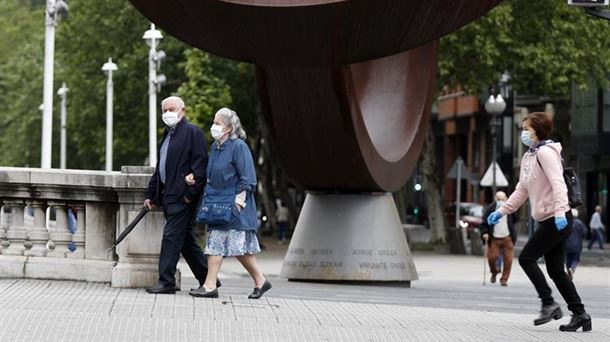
<point x="448" y="303"/>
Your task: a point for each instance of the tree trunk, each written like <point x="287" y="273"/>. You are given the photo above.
<point x="432" y="191"/>
<point x="266" y="177"/>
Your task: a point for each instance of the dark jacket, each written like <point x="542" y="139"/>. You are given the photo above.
<point x="486" y="228"/>
<point x="574" y="241"/>
<point x="187" y="153"/>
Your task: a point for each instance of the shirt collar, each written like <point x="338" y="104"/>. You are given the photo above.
<point x="171" y="130"/>
<point x="222" y="146"/>
<point x="539" y="144"/>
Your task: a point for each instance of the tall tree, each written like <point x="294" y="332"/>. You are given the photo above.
<point x="21" y="42"/>
<point x="545" y="45"/>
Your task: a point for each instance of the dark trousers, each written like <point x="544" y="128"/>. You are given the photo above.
<point x="179" y="237"/>
<point x="597" y="235"/>
<point x="550" y="242"/>
<point x="282" y="229"/>
<point x="572" y="260"/>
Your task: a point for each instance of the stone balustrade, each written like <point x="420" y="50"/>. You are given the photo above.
<point x="91" y="208"/>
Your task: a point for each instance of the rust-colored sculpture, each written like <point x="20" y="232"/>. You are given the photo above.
<point x="346" y="106"/>
<point x="346" y="88"/>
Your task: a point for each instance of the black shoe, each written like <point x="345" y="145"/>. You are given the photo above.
<point x="202" y="292"/>
<point x="547" y="313"/>
<point x="583" y="320"/>
<point x="218" y="284"/>
<point x="493" y="277"/>
<point x="160" y="289"/>
<point x="258" y="292"/>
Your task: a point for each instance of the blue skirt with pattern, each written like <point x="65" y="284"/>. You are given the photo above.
<point x="232" y="242"/>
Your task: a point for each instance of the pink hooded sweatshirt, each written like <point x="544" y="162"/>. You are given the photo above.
<point x="544" y="186"/>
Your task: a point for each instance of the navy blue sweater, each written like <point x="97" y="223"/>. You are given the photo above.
<point x="187" y="153"/>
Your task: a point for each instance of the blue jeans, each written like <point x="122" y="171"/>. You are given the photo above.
<point x="597" y="234"/>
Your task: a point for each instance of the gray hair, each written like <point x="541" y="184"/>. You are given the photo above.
<point x="174" y="99"/>
<point x="230" y="119"/>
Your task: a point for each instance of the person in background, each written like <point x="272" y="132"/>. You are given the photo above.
<point x="597" y="228"/>
<point x="541" y="180"/>
<point x="282" y="221"/>
<point x="500" y="238"/>
<point x="574" y="244"/>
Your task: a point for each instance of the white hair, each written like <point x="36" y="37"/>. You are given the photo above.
<point x="231" y="120"/>
<point x="175" y="99"/>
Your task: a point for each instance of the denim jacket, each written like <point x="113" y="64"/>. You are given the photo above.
<point x="231" y="166"/>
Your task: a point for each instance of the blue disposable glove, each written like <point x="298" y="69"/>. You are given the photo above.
<point x="494" y="218"/>
<point x="560" y="222"/>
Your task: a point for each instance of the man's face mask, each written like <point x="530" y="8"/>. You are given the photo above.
<point x="170" y="118"/>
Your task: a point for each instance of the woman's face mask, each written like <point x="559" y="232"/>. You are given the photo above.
<point x="526" y="138"/>
<point x="216" y="131"/>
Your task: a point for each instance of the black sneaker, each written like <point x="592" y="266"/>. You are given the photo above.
<point x="576" y="322"/>
<point x="547" y="313"/>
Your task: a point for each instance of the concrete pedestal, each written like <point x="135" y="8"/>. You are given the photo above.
<point x="349" y="238"/>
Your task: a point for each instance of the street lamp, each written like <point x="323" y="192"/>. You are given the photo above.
<point x="152" y="37"/>
<point x="494" y="106"/>
<point x="55" y="10"/>
<point x="63" y="93"/>
<point x="108" y="68"/>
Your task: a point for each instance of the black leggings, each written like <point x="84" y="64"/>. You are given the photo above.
<point x="551" y="243"/>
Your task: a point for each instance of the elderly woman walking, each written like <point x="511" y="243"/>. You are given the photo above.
<point x="541" y="180"/>
<point x="228" y="205"/>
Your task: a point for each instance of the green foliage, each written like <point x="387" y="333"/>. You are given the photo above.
<point x="213" y="83"/>
<point x="21" y="46"/>
<point x="544" y="44"/>
<point x="95" y="31"/>
<point x="205" y="91"/>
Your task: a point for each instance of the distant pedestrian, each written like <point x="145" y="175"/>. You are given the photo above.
<point x="574" y="244"/>
<point x="232" y="227"/>
<point x="500" y="239"/>
<point x="597" y="228"/>
<point x="282" y="221"/>
<point x="541" y="180"/>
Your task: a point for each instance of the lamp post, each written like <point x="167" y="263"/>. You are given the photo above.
<point x="495" y="106"/>
<point x="152" y="37"/>
<point x="108" y="68"/>
<point x="63" y="94"/>
<point x="55" y="10"/>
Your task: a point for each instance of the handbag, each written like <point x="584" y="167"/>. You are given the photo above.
<point x="216" y="207"/>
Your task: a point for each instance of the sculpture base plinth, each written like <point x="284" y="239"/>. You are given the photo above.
<point x="349" y="238"/>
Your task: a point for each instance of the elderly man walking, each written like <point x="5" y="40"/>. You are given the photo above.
<point x="500" y="238"/>
<point x="183" y="151"/>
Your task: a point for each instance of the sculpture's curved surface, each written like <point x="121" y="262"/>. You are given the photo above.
<point x="310" y="32"/>
<point x="345" y="85"/>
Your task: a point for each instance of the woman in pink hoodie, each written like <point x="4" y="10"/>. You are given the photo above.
<point x="541" y="180"/>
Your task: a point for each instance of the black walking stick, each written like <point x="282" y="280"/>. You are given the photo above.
<point x="130" y="227"/>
